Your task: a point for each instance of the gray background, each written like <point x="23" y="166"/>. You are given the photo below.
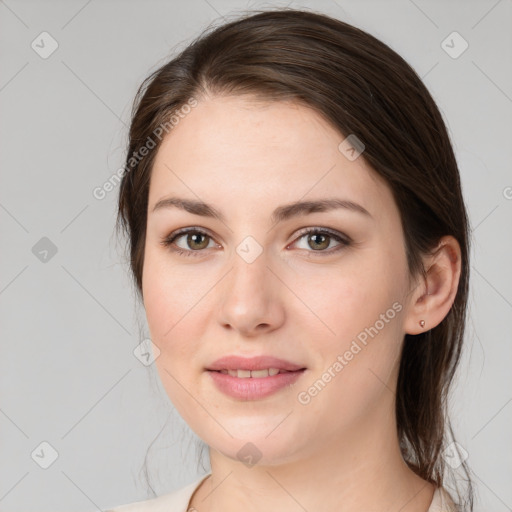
<point x="69" y="323"/>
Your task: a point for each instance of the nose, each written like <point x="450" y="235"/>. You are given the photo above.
<point x="251" y="299"/>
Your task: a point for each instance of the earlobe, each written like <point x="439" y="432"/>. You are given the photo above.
<point x="436" y="291"/>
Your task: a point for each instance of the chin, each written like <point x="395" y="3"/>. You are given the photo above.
<point x="256" y="453"/>
<point x="253" y="446"/>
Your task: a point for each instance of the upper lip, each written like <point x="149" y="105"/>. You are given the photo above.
<point x="253" y="363"/>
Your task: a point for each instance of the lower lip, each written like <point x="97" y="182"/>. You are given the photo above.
<point x="252" y="388"/>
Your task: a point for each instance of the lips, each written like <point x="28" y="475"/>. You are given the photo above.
<point x="253" y="364"/>
<point x="245" y="379"/>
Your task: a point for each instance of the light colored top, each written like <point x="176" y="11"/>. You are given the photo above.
<point x="178" y="501"/>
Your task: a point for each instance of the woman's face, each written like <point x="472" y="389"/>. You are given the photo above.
<point x="252" y="282"/>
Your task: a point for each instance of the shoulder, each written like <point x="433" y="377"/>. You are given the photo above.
<point x="442" y="501"/>
<point x="176" y="501"/>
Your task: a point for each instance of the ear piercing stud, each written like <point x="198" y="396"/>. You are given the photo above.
<point x="422" y="323"/>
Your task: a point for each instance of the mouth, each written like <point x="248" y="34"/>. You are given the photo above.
<point x="253" y="367"/>
<point x="244" y="385"/>
<point x="255" y="374"/>
<point x="253" y="378"/>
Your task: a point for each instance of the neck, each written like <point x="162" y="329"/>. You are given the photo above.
<point x="352" y="471"/>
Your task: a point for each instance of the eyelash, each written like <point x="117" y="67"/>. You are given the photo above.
<point x="344" y="240"/>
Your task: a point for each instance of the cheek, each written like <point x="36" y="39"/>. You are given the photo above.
<point x="361" y="303"/>
<point x="352" y="296"/>
<point x="166" y="304"/>
<point x="168" y="295"/>
<point x="166" y="312"/>
<point x="158" y="304"/>
<point x="177" y="305"/>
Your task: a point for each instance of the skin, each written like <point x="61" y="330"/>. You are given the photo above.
<point x="339" y="451"/>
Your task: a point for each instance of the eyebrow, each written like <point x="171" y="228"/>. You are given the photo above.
<point x="280" y="214"/>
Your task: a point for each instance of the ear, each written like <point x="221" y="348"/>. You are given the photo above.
<point x="434" y="293"/>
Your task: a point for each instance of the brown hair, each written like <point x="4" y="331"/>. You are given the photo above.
<point x="361" y="87"/>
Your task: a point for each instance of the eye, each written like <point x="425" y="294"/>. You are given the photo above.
<point x="195" y="240"/>
<point x="319" y="239"/>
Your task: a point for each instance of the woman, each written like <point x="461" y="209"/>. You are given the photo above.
<point x="299" y="240"/>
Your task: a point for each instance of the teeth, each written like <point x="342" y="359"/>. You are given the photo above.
<point x="257" y="374"/>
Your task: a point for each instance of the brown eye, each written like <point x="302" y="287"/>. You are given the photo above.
<point x="187" y="242"/>
<point x="194" y="240"/>
<point x="318" y="241"/>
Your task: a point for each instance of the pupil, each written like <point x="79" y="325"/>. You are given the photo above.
<point x="194" y="238"/>
<point x="317" y="242"/>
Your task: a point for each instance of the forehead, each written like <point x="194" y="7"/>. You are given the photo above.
<point x="228" y="146"/>
<point x="243" y="126"/>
